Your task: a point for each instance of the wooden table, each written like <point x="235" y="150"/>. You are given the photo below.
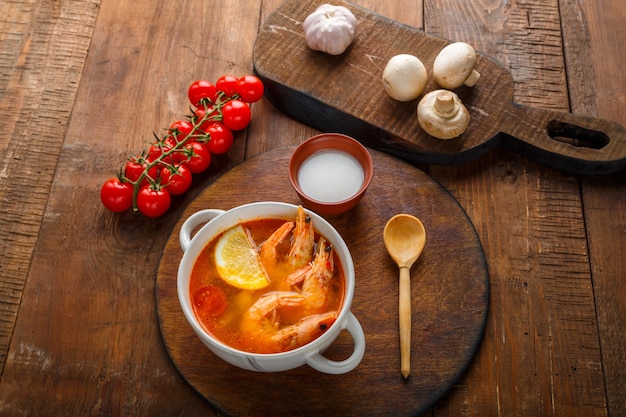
<point x="85" y="83"/>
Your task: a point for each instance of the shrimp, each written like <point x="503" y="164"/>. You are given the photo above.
<point x="301" y="250"/>
<point x="261" y="323"/>
<point x="304" y="331"/>
<point x="267" y="252"/>
<point x="315" y="278"/>
<point x="301" y="245"/>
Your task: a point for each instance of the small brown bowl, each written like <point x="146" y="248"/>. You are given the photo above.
<point x="346" y="196"/>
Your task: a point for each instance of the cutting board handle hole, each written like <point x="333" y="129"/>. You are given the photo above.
<point x="576" y="135"/>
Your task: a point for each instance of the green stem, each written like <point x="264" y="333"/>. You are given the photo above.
<point x="214" y="115"/>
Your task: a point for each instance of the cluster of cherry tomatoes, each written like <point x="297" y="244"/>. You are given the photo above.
<point x="147" y="182"/>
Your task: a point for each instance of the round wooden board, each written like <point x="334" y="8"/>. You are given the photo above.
<point x="450" y="292"/>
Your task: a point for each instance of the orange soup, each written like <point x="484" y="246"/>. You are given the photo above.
<point x="299" y="301"/>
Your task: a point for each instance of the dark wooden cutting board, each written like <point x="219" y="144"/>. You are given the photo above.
<point x="450" y="292"/>
<point x="345" y="94"/>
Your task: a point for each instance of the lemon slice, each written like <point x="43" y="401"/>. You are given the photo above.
<point x="238" y="262"/>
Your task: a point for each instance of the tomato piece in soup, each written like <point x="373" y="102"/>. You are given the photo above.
<point x="210" y="300"/>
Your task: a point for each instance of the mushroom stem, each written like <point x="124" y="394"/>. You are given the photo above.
<point x="472" y="79"/>
<point x="444" y="104"/>
<point x="442" y="114"/>
<point x="454" y="66"/>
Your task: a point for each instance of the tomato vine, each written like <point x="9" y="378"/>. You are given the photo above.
<point x="147" y="181"/>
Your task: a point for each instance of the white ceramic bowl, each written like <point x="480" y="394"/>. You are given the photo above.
<point x="218" y="221"/>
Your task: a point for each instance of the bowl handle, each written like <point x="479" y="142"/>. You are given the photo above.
<point x="323" y="364"/>
<point x="193" y="221"/>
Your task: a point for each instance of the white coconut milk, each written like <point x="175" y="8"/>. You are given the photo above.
<point x="330" y="176"/>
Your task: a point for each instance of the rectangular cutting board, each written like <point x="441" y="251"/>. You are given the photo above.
<point x="344" y="94"/>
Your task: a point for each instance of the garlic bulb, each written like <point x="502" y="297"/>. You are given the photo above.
<point x="330" y="29"/>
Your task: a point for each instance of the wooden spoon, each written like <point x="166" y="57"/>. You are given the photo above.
<point x="404" y="237"/>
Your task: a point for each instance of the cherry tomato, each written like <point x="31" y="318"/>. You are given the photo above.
<point x="176" y="179"/>
<point x="201" y="89"/>
<point x="221" y="138"/>
<point x="210" y="300"/>
<point x="155" y="151"/>
<point x="116" y="196"/>
<point x="227" y="84"/>
<point x="236" y="115"/>
<point x="250" y="88"/>
<point x="200" y="113"/>
<point x="135" y="168"/>
<point x="180" y="129"/>
<point x="153" y="202"/>
<point x="161" y="147"/>
<point x="198" y="157"/>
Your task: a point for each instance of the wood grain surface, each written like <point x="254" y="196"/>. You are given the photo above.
<point x="41" y="49"/>
<point x="84" y="83"/>
<point x="344" y="94"/>
<point x="450" y="293"/>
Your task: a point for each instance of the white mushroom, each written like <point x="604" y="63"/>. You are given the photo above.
<point x="454" y="66"/>
<point x="442" y="114"/>
<point x="404" y="77"/>
<point x="330" y="29"/>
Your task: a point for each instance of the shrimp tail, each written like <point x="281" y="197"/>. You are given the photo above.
<point x="268" y="252"/>
<point x="299" y="275"/>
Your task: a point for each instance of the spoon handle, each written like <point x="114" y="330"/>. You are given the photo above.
<point x="405" y="321"/>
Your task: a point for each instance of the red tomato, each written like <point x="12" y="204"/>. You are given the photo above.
<point x="221" y="138"/>
<point x="180" y="129"/>
<point x="199" y="90"/>
<point x="236" y="115"/>
<point x="227" y="84"/>
<point x="152" y="202"/>
<point x="250" y="88"/>
<point x="200" y="113"/>
<point x="161" y="147"/>
<point x="135" y="168"/>
<point x="116" y="196"/>
<point x="210" y="300"/>
<point x="176" y="179"/>
<point x="198" y="157"/>
<point x="155" y="151"/>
